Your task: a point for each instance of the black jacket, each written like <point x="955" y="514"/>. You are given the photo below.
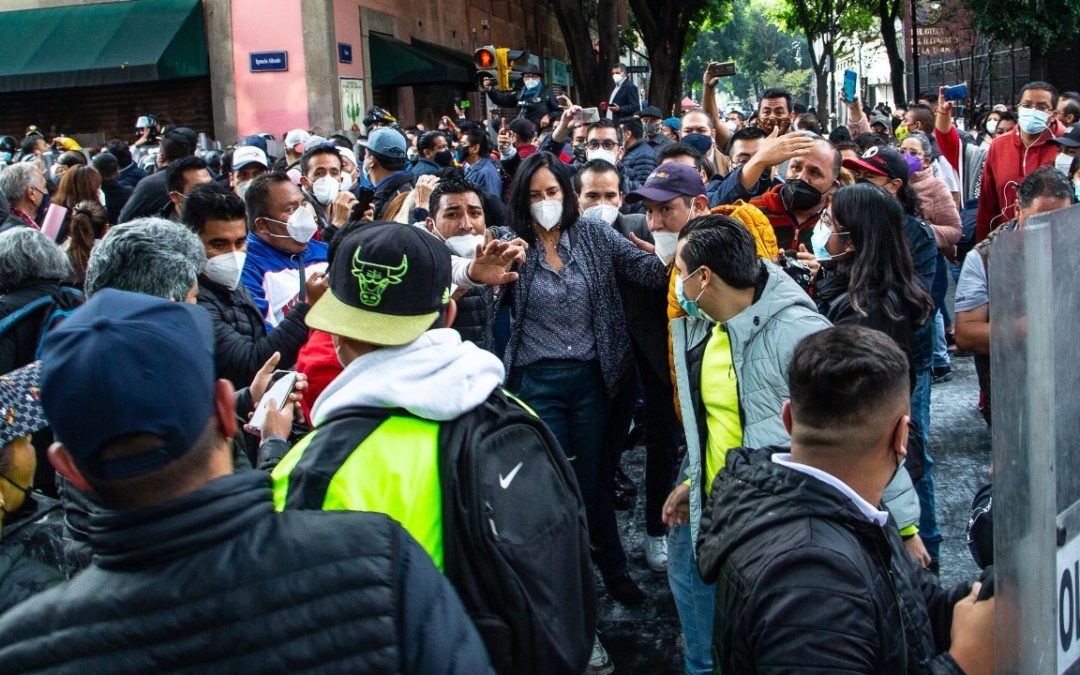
<point x="803" y="577"/>
<point x="638" y="161"/>
<point x="116" y="197"/>
<point x="402" y="181"/>
<point x="31" y="551"/>
<point x="532" y="107"/>
<point x="217" y="582"/>
<point x="242" y="344"/>
<point x="476" y="317"/>
<point x="18" y="344"/>
<point x="150" y="196"/>
<point x="645" y="308"/>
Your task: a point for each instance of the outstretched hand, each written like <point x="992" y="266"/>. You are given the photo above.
<point x="493" y="260"/>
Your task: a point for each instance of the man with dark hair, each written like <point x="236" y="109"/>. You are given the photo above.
<point x="755" y="155"/>
<point x="1045" y="189"/>
<point x="456" y="216"/>
<point x="320" y="179"/>
<point x="130" y="172"/>
<point x="638" y="157"/>
<point x="151" y="195"/>
<point x="156" y="451"/>
<point x="775" y="111"/>
<point x="625" y="99"/>
<point x="732" y="351"/>
<point x="474" y="154"/>
<point x="283" y="262"/>
<point x="434" y="154"/>
<point x="181" y="177"/>
<point x="809" y="569"/>
<point x="1068" y="108"/>
<point x="116" y="193"/>
<point x="1016" y="155"/>
<point x="384" y="162"/>
<point x="243" y="345"/>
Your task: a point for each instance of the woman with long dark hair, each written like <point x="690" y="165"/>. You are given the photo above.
<point x="872" y="282"/>
<point x="89" y="222"/>
<point x="569" y="352"/>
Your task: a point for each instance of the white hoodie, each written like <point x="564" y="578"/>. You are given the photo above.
<point x="437" y="377"/>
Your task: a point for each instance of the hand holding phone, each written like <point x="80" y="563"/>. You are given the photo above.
<point x="278" y="393"/>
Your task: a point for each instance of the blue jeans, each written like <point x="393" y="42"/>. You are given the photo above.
<point x="694" y="599"/>
<point x="920" y="417"/>
<point x="569" y="396"/>
<point x="941" y="347"/>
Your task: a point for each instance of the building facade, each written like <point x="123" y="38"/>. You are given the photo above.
<point x="89" y="68"/>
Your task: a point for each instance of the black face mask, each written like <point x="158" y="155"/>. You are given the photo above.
<point x="444" y="158"/>
<point x="798" y="195"/>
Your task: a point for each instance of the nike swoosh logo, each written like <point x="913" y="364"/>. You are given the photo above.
<point x="505" y="482"/>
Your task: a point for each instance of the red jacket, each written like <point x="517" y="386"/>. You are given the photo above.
<point x="319" y="361"/>
<point x="1008" y="162"/>
<point x="789" y="233"/>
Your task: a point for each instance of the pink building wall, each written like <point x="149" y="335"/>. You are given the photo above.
<point x="347" y="29"/>
<point x="273" y="102"/>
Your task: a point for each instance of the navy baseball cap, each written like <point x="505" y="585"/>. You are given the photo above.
<point x="253" y="142"/>
<point x="387" y="142"/>
<point x="1070" y="139"/>
<point x="127" y="363"/>
<point x="883" y="161"/>
<point x="668" y="181"/>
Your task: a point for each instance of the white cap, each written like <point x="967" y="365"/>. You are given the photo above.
<point x="248" y="154"/>
<point x="296" y="137"/>
<point x="348" y="154"/>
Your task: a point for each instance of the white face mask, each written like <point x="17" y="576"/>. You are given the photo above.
<point x="604" y="212"/>
<point x="665" y="244"/>
<point x="346" y="181"/>
<point x="464" y="245"/>
<point x="600" y="153"/>
<point x="325" y="189"/>
<point x="242" y="188"/>
<point x="991" y="126"/>
<point x="301" y="226"/>
<point x="101" y="197"/>
<point x="617" y="79"/>
<point x="547" y="212"/>
<point x="1063" y="162"/>
<point x="225" y="269"/>
<point x="531" y="82"/>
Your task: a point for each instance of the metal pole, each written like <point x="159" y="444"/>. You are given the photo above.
<point x="914" y="52"/>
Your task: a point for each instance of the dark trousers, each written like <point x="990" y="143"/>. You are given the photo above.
<point x="569" y="396"/>
<point x="663" y="437"/>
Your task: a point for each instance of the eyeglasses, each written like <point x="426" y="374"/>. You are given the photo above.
<point x="607" y="144"/>
<point x="1042" y="107"/>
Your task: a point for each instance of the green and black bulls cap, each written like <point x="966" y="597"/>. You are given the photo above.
<point x="388" y="284"/>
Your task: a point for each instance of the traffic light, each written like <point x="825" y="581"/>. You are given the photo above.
<point x="484" y="59"/>
<point x="505" y="61"/>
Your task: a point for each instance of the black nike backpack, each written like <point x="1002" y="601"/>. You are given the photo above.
<point x="515" y="539"/>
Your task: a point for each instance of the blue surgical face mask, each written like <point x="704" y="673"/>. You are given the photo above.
<point x="1076" y="190"/>
<point x="1032" y="120"/>
<point x="691" y="307"/>
<point x="819" y="239"/>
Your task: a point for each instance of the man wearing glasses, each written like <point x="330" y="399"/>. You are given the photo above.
<point x="1015" y="155"/>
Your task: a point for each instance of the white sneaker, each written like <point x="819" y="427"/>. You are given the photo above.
<point x="599" y="663"/>
<point x="656" y="553"/>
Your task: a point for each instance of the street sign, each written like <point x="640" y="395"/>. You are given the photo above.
<point x="344" y="52"/>
<point x="637" y="69"/>
<point x="268" y="62"/>
<point x="1068" y="604"/>
<point x="352" y="102"/>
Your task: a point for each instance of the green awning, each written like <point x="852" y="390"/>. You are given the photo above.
<point x="399" y="64"/>
<point x="110" y="43"/>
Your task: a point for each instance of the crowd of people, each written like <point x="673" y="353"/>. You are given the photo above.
<point x="448" y="336"/>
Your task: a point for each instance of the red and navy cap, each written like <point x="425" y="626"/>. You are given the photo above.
<point x="883" y="161"/>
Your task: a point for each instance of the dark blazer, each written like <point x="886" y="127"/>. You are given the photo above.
<point x="628" y="98"/>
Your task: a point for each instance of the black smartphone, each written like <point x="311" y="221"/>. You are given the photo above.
<point x="725" y="69"/>
<point x="364" y="198"/>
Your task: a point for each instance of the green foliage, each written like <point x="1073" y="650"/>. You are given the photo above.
<point x="765" y="55"/>
<point x="1042" y="25"/>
